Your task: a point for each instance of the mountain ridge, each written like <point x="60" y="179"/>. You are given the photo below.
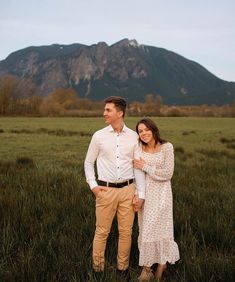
<point x="124" y="68"/>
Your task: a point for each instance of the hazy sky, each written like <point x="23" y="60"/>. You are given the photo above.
<point x="202" y="30"/>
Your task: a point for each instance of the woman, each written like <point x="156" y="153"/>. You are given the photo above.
<point x="156" y="237"/>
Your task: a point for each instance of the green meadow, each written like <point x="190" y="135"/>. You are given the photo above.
<point x="47" y="213"/>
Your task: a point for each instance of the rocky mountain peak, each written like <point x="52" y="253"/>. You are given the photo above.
<point x="125" y="68"/>
<point x="126" y="43"/>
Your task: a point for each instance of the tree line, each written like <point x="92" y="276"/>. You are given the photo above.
<point x="18" y="97"/>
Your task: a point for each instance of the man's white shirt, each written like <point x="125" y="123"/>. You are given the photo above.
<point x="114" y="153"/>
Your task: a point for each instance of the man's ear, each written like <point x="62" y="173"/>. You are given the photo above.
<point x="120" y="113"/>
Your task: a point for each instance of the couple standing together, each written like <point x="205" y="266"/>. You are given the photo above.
<point x="132" y="176"/>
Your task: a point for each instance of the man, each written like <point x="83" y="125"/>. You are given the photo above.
<point x="114" y="148"/>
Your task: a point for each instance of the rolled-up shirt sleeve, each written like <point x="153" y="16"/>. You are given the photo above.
<point x="89" y="164"/>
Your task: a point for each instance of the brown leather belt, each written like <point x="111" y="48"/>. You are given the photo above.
<point x="115" y="185"/>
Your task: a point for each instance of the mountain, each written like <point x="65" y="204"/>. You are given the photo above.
<point x="124" y="68"/>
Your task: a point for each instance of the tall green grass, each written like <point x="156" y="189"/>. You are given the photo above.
<point x="47" y="213"/>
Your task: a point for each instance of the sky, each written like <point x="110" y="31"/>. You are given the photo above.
<point x="202" y="31"/>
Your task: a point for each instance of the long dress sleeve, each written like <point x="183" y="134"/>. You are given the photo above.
<point x="164" y="173"/>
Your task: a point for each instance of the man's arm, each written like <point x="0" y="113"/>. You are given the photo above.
<point x="140" y="182"/>
<point x="139" y="174"/>
<point x="89" y="164"/>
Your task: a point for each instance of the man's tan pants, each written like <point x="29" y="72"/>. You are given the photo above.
<point x="108" y="203"/>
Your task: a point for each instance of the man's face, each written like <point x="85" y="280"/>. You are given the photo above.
<point x="111" y="113"/>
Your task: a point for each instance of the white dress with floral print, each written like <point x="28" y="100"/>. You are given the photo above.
<point x="156" y="235"/>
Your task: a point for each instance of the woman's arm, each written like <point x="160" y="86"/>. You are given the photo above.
<point x="165" y="173"/>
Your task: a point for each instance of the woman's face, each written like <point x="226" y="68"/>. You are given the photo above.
<point x="145" y="133"/>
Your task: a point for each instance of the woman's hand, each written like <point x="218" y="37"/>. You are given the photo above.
<point x="139" y="164"/>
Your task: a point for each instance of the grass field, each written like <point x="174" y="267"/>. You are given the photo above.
<point x="47" y="215"/>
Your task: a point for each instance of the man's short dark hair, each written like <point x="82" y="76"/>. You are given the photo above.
<point x="119" y="102"/>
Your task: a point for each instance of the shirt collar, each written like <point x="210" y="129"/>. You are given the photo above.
<point x="110" y="129"/>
